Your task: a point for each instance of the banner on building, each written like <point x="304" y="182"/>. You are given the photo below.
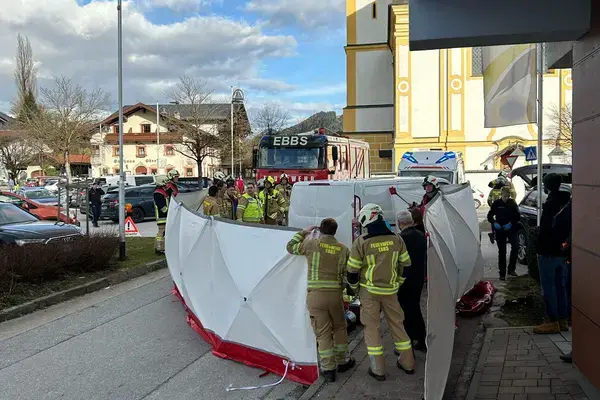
<point x="509" y="85"/>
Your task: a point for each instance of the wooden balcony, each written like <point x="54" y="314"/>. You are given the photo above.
<point x="142" y="138"/>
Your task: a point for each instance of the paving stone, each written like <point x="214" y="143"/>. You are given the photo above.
<point x="514" y="375"/>
<point x="524" y="382"/>
<point x="533" y="375"/>
<point x="527" y="369"/>
<point x="559" y="389"/>
<point x="543" y="382"/>
<point x="508" y="369"/>
<point x="563" y="397"/>
<point x="511" y="390"/>
<point x="487" y="390"/>
<point x="540" y="396"/>
<point x="506" y="397"/>
<point x="491" y="378"/>
<point x="492" y="370"/>
<point x="537" y="389"/>
<point x="506" y="382"/>
<point x="580" y="396"/>
<point x="574" y="389"/>
<point x="520" y="397"/>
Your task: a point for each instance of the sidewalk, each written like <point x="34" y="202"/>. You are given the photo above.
<point x="516" y="364"/>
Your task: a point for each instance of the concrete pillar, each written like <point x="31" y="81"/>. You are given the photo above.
<point x="586" y="201"/>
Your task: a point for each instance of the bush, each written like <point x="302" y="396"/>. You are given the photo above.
<point x="532" y="264"/>
<point x="37" y="263"/>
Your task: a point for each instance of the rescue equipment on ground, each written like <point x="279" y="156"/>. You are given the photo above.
<point x="477" y="300"/>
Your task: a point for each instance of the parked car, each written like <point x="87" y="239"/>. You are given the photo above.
<point x="42" y="211"/>
<point x="39" y="195"/>
<point x="529" y="204"/>
<point x="478" y="197"/>
<point x="83" y="201"/>
<point x="141" y="199"/>
<point x="18" y="227"/>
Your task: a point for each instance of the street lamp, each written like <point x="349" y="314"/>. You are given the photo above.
<point x="122" y="254"/>
<point x="237" y="97"/>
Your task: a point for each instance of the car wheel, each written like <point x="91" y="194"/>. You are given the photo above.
<point x="522" y="242"/>
<point x="477" y="203"/>
<point x="138" y="215"/>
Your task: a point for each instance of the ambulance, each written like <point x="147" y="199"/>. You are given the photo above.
<point x="448" y="165"/>
<point x="313" y="201"/>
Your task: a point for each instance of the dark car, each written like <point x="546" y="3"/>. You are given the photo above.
<point x="19" y="227"/>
<point x="529" y="173"/>
<point x="529" y="212"/>
<point x="141" y="199"/>
<point x="187" y="187"/>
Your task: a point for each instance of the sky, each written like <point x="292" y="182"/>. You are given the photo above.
<point x="289" y="52"/>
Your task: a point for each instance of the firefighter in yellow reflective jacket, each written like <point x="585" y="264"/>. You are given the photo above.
<point x="249" y="207"/>
<point x="327" y="259"/>
<point x="273" y="202"/>
<point x="211" y="205"/>
<point x="497" y="185"/>
<point x="376" y="264"/>
<point x="165" y="188"/>
<point x="285" y="189"/>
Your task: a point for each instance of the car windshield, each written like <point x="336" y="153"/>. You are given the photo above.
<point x="39" y="194"/>
<point x="291" y="157"/>
<point x="447" y="175"/>
<point x="11" y="214"/>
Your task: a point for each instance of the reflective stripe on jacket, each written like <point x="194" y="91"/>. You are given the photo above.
<point x="381" y="261"/>
<point x="211" y="207"/>
<point x="249" y="209"/>
<point x="161" y="205"/>
<point x="273" y="204"/>
<point x="326" y="257"/>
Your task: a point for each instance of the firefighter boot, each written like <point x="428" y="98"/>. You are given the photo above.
<point x="406" y="361"/>
<point x="564" y="325"/>
<point x="547" y="328"/>
<point x="346" y="366"/>
<point x="328" y="376"/>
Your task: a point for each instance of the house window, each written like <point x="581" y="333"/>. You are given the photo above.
<point x="169" y="150"/>
<point x="189" y="172"/>
<point x="95" y="150"/>
<point x="140" y="151"/>
<point x="115" y="151"/>
<point x="374" y="10"/>
<point x="116" y="129"/>
<point x="146" y="128"/>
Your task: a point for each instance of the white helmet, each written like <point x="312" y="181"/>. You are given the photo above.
<point x="172" y="174"/>
<point x="261" y="183"/>
<point x="219" y="176"/>
<point x="284" y="175"/>
<point x="431" y="180"/>
<point x="162" y="180"/>
<point x="369" y="214"/>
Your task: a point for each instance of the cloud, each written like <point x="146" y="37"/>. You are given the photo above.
<point x="339" y="88"/>
<point x="329" y="14"/>
<point x="80" y="41"/>
<point x="177" y="5"/>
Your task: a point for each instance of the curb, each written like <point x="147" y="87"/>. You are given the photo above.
<point x="77" y="291"/>
<point x="315" y="387"/>
<point x="469" y="367"/>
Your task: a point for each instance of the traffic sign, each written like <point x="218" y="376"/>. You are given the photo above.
<point x="517" y="152"/>
<point x="531" y="153"/>
<point x="131" y="228"/>
<point x="510" y="160"/>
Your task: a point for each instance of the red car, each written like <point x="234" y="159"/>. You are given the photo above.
<point x="42" y="211"/>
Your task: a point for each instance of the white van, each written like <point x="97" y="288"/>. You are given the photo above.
<point x="448" y="165"/>
<point x="312" y="201"/>
<point x="130" y="180"/>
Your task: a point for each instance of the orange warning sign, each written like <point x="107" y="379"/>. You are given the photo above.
<point x="131" y="228"/>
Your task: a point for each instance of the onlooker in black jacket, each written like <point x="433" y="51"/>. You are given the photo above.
<point x="409" y="294"/>
<point x="504" y="216"/>
<point x="551" y="258"/>
<point x="95" y="200"/>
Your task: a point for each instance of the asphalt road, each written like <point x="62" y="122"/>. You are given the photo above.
<point x="127" y="342"/>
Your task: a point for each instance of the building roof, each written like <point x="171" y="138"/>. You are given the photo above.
<point x="215" y="111"/>
<point x="5" y="118"/>
<point x="73" y="158"/>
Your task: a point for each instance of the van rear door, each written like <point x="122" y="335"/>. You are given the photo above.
<point x="311" y="202"/>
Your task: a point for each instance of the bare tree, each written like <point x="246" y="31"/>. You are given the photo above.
<point x="16" y="153"/>
<point x="198" y="127"/>
<point x="67" y="112"/>
<point x="271" y="118"/>
<point x="560" y="130"/>
<point x="25" y="79"/>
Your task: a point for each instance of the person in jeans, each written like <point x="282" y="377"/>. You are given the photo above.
<point x="504" y="216"/>
<point x="551" y="258"/>
<point x="95" y="199"/>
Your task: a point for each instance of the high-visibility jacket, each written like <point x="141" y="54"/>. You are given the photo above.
<point x="172" y="189"/>
<point x="211" y="206"/>
<point x="380" y="260"/>
<point x="286" y="192"/>
<point x="161" y="205"/>
<point x="273" y="203"/>
<point x="327" y="259"/>
<point x="249" y="209"/>
<point x="227" y="209"/>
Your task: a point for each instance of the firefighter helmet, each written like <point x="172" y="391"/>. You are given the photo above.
<point x="172" y="174"/>
<point x="261" y="183"/>
<point x="369" y="214"/>
<point x="219" y="176"/>
<point x="431" y="180"/>
<point x="270" y="179"/>
<point x="503" y="174"/>
<point x="284" y="175"/>
<point x="161" y="180"/>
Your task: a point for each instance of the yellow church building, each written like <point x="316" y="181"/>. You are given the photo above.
<point x="399" y="100"/>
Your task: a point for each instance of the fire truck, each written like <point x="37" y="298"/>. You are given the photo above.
<point x="311" y="156"/>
